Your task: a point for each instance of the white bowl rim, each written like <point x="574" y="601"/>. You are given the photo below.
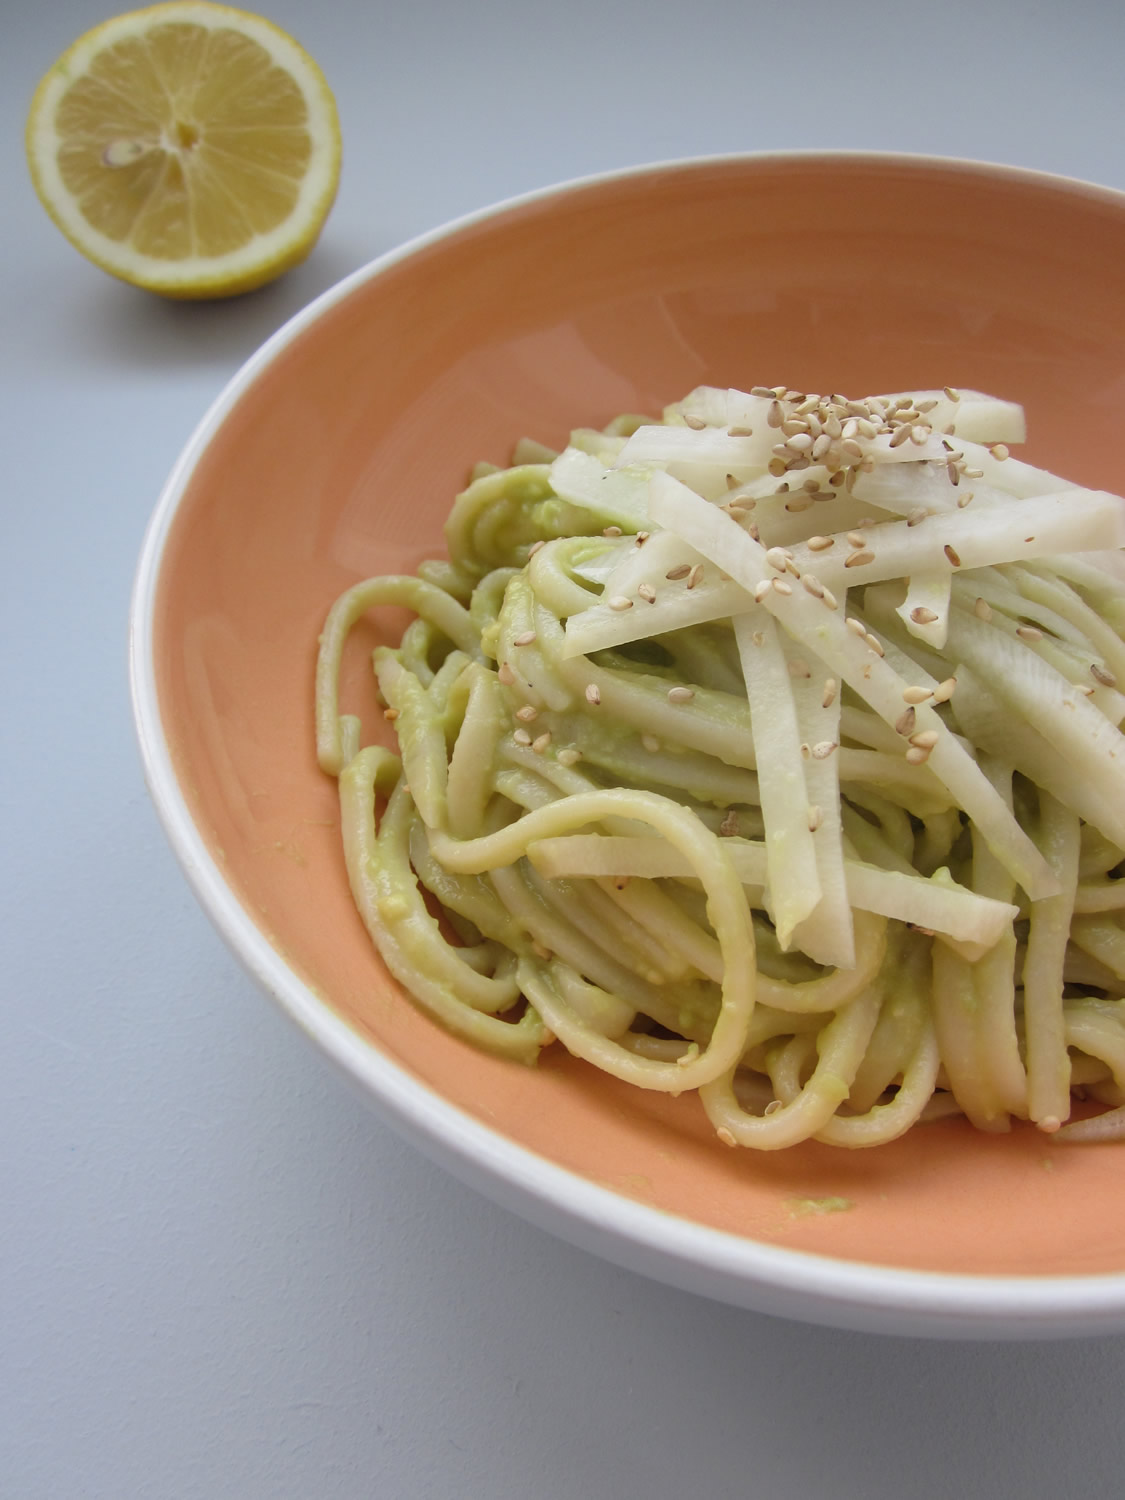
<point x="792" y="1283"/>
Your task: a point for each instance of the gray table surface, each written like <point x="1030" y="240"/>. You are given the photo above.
<point x="220" y="1275"/>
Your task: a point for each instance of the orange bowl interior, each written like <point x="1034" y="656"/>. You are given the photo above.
<point x="342" y="457"/>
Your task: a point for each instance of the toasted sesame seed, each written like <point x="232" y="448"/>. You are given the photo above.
<point x="856" y="539"/>
<point x="824" y="749"/>
<point x="647" y="593"/>
<point x="525" y="638"/>
<point x="695" y="575"/>
<point x="593" y="694"/>
<point x="925" y="406"/>
<point x="952" y="393"/>
<point x="680" y="694"/>
<point x="1000" y="450"/>
<point x="916" y="756"/>
<point x="390" y="714"/>
<point x="944" y="690"/>
<point x="816" y="818"/>
<point x="569" y="756"/>
<point x="819" y="543"/>
<point x="764" y="391"/>
<point x="829" y="600"/>
<point x="777" y="558"/>
<point x="740" y="432"/>
<point x="781" y="586"/>
<point x="951" y="554"/>
<point x="857" y="627"/>
<point x="899" y="436"/>
<point x="535" y="547"/>
<point x="681" y="570"/>
<point x="761" y="590"/>
<point x="732" y="482"/>
<point x="791" y="567"/>
<point x="829" y="695"/>
<point x="953" y="472"/>
<point x="800" y="442"/>
<point x="1103" y="675"/>
<point x="1086" y="688"/>
<point x="741" y="503"/>
<point x="973" y="473"/>
<point x="775" y="416"/>
<point x="798" y="503"/>
<point x="915" y="694"/>
<point x="920" y="433"/>
<point x="821" y="446"/>
<point x="527" y="714"/>
<point x="813" y="584"/>
<point x="776" y="467"/>
<point x="619" y="602"/>
<point x="925" y="739"/>
<point x="1029" y="632"/>
<point x="650" y="743"/>
<point x="916" y="517"/>
<point x="799" y="668"/>
<point x="522" y="737"/>
<point x="612" y="531"/>
<point x="793" y="425"/>
<point x="904" y="724"/>
<point x="641" y="538"/>
<point x="866" y="428"/>
<point x="859" y="559"/>
<point x="505" y="674"/>
<point x="875" y="644"/>
<point x="922" y="616"/>
<point x="697" y="424"/>
<point x="811" y="485"/>
<point x="725" y="1136"/>
<point x="963" y="500"/>
<point x="541" y="742"/>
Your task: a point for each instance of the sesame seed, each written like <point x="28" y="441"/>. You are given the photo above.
<point x="821" y="446"/>
<point x="812" y="485"/>
<point x="904" y="724"/>
<point x="505" y="674"/>
<point x="793" y="425"/>
<point x="917" y="756"/>
<point x="776" y="467"/>
<point x="650" y="743"/>
<point x="775" y="416"/>
<point x="816" y="818"/>
<point x="725" y="1136"/>
<point x="540" y="744"/>
<point x="859" y="559"/>
<point x="963" y="500"/>
<point x="916" y="517"/>
<point x="695" y="575"/>
<point x="819" y="543"/>
<point x="925" y="406"/>
<point x="697" y="424"/>
<point x="527" y="714"/>
<point x="952" y="393"/>
<point x="798" y="504"/>
<point x="641" y="538"/>
<point x="922" y="616"/>
<point x="856" y="539"/>
<point x="829" y="695"/>
<point x="764" y="391"/>
<point x="1029" y="633"/>
<point x="777" y="559"/>
<point x="953" y="472"/>
<point x="525" y="638"/>
<point x="390" y="714"/>
<point x="857" y="627"/>
<point x="813" y="584"/>
<point x="829" y="600"/>
<point x="570" y="756"/>
<point x="612" y="531"/>
<point x="920" y="433"/>
<point x="899" y="436"/>
<point x="1000" y="450"/>
<point x="732" y="482"/>
<point x="951" y="553"/>
<point x="740" y="432"/>
<point x="741" y="502"/>
<point x="681" y="570"/>
<point x="781" y="586"/>
<point x="1103" y="675"/>
<point x="925" y="739"/>
<point x="761" y="590"/>
<point x="647" y="593"/>
<point x="1086" y="689"/>
<point x="791" y="567"/>
<point x="799" y="668"/>
<point x="535" y="547"/>
<point x="824" y="749"/>
<point x="944" y="690"/>
<point x="867" y="429"/>
<point x="875" y="644"/>
<point x="801" y="442"/>
<point x="522" y="737"/>
<point x="619" y="602"/>
<point x="973" y="473"/>
<point x="593" y="694"/>
<point x="680" y="694"/>
<point x="915" y="694"/>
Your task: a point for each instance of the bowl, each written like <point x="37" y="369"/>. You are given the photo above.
<point x="335" y="453"/>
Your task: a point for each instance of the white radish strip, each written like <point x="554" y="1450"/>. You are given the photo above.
<point x="938" y="903"/>
<point x="1076" y="521"/>
<point x="649" y="563"/>
<point x="849" y="658"/>
<point x="985" y="419"/>
<point x="1048" y="1062"/>
<point x="720" y="407"/>
<point x="1013" y="475"/>
<point x="794" y="884"/>
<point x="925" y="610"/>
<point x="617" y="493"/>
<point x="709" y="448"/>
<point x="827" y="934"/>
<point x="1041" y="696"/>
<point x="676" y="607"/>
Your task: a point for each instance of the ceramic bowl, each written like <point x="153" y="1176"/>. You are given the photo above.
<point x="335" y="453"/>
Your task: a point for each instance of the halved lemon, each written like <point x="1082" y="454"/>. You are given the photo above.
<point x="189" y="148"/>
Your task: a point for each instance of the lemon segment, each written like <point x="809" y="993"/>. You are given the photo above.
<point x="189" y="148"/>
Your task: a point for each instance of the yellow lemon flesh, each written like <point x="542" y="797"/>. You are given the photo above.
<point x="189" y="148"/>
